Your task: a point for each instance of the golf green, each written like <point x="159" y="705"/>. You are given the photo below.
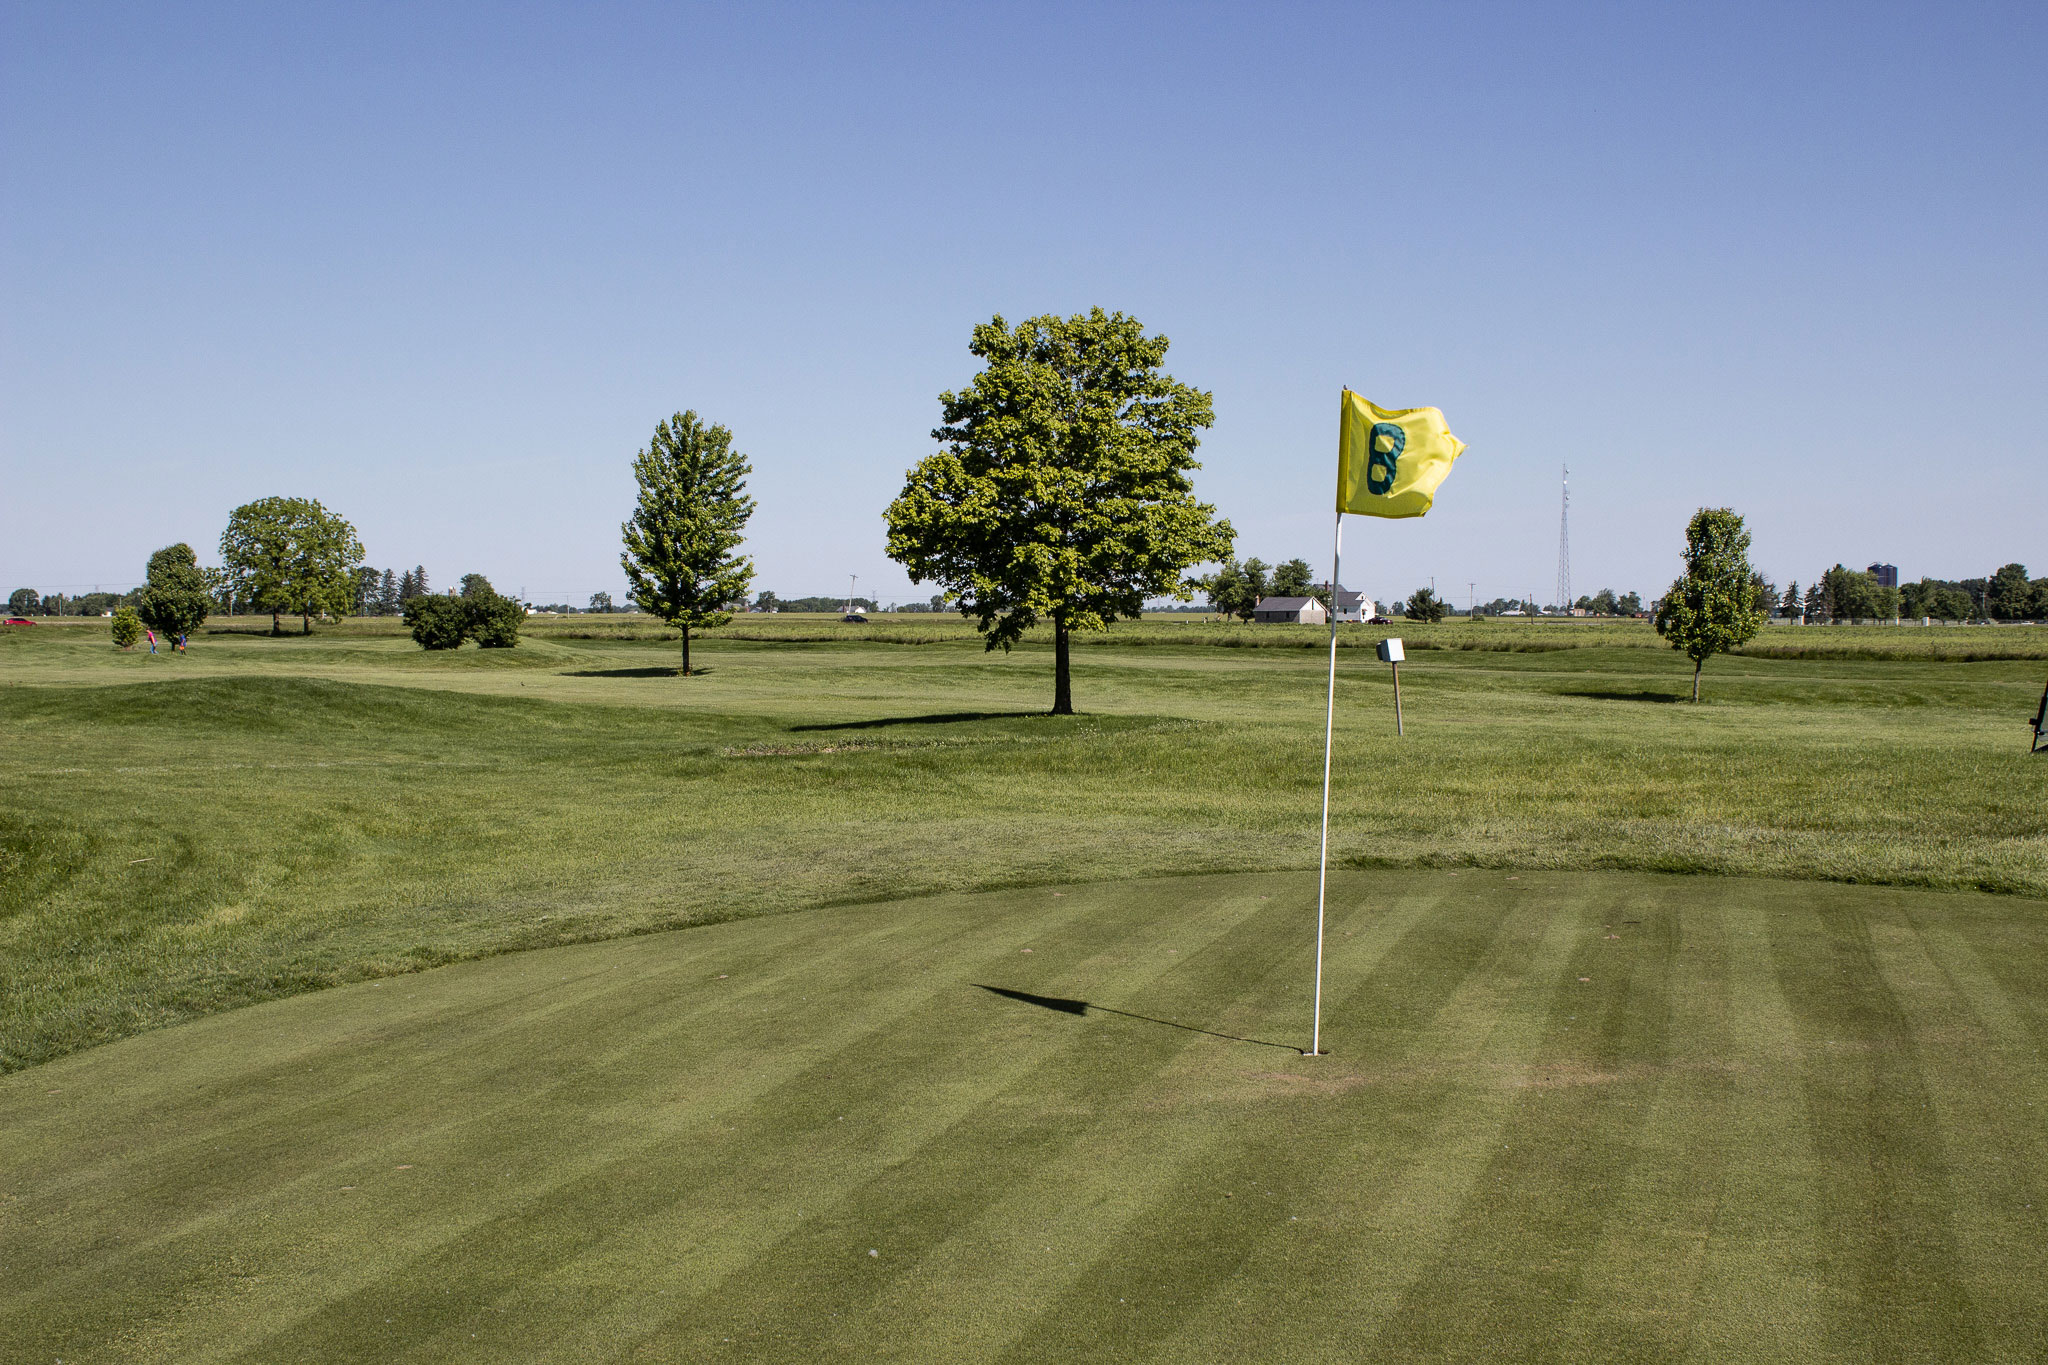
<point x="1568" y="1116"/>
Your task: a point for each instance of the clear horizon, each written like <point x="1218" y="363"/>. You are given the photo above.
<point x="445" y="268"/>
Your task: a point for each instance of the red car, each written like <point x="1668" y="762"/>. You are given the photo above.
<point x="19" y="621"/>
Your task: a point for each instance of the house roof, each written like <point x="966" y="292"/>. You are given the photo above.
<point x="1284" y="603"/>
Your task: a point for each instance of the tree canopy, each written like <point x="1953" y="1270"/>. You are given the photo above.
<point x="1061" y="492"/>
<point x="291" y="555"/>
<point x="691" y="517"/>
<point x="174" y="598"/>
<point x="1424" y="605"/>
<point x="1712" y="606"/>
<point x="1235" y="589"/>
<point x="2010" y="596"/>
<point x="1293" y="578"/>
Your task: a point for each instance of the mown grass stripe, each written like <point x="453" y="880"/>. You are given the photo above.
<point x="1995" y="1192"/>
<point x="1761" y="1280"/>
<point x="1893" y="1272"/>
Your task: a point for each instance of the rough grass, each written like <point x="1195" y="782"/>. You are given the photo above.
<point x="1587" y="1117"/>
<point x="262" y="817"/>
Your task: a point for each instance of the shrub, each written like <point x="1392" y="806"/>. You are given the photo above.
<point x="437" y="622"/>
<point x="494" y="621"/>
<point x="127" y="627"/>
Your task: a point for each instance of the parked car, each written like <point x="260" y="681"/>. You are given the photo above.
<point x="856" y="618"/>
<point x="19" y="621"/>
<point x="1379" y="621"/>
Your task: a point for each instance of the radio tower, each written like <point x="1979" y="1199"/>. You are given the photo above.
<point x="1564" y="546"/>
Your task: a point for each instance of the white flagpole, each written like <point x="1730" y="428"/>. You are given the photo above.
<point x="1315" y="1046"/>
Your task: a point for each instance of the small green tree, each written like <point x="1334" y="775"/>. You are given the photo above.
<point x="1229" y="591"/>
<point x="601" y="602"/>
<point x="127" y="627"/>
<point x="494" y="621"/>
<point x="1712" y="607"/>
<point x="1292" y="579"/>
<point x="24" y="602"/>
<point x="1852" y="594"/>
<point x="691" y="516"/>
<point x="437" y="622"/>
<point x="1424" y="605"/>
<point x="1061" y="493"/>
<point x="174" y="597"/>
<point x="1789" y="606"/>
<point x="476" y="588"/>
<point x="291" y="555"/>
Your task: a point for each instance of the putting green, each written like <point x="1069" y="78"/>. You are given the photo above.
<point x="1577" y="1116"/>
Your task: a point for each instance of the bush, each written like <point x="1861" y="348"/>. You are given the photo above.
<point x="127" y="627"/>
<point x="494" y="621"/>
<point x="437" y="622"/>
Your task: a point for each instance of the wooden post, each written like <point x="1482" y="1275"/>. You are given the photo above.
<point x="1392" y="653"/>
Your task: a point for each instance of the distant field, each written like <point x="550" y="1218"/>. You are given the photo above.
<point x="268" y="816"/>
<point x="1565" y="1116"/>
<point x="1494" y="634"/>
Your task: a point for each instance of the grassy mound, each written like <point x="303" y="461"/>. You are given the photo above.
<point x="1584" y="1116"/>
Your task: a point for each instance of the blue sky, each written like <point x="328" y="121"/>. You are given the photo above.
<point x="444" y="267"/>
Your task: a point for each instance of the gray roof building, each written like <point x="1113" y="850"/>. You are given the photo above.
<point x="1293" y="610"/>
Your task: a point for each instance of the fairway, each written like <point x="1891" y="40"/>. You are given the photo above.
<point x="1567" y="1116"/>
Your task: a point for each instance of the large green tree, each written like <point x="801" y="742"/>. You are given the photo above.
<point x="174" y="597"/>
<point x="1235" y="589"/>
<point x="691" y="517"/>
<point x="1061" y="492"/>
<point x="2010" y="596"/>
<point x="1713" y="606"/>
<point x="291" y="555"/>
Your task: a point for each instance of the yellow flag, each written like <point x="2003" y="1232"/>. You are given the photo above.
<point x="1389" y="462"/>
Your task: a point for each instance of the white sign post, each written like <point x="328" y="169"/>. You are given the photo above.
<point x="1390" y="653"/>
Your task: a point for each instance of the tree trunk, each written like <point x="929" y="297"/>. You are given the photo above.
<point x="276" y="626"/>
<point x="1696" y="678"/>
<point x="305" y="625"/>
<point x="686" y="651"/>
<point x="1062" y="678"/>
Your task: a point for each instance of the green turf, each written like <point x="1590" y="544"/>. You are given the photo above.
<point x="261" y="817"/>
<point x="1602" y="1116"/>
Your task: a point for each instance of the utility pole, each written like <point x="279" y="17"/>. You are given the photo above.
<point x="852" y="579"/>
<point x="1471" y="599"/>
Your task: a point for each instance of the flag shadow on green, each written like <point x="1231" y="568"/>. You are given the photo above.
<point x="1080" y="1008"/>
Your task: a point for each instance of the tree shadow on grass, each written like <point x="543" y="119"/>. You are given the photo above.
<point x="1639" y="695"/>
<point x="1081" y="1007"/>
<point x="945" y="718"/>
<point x="633" y="673"/>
